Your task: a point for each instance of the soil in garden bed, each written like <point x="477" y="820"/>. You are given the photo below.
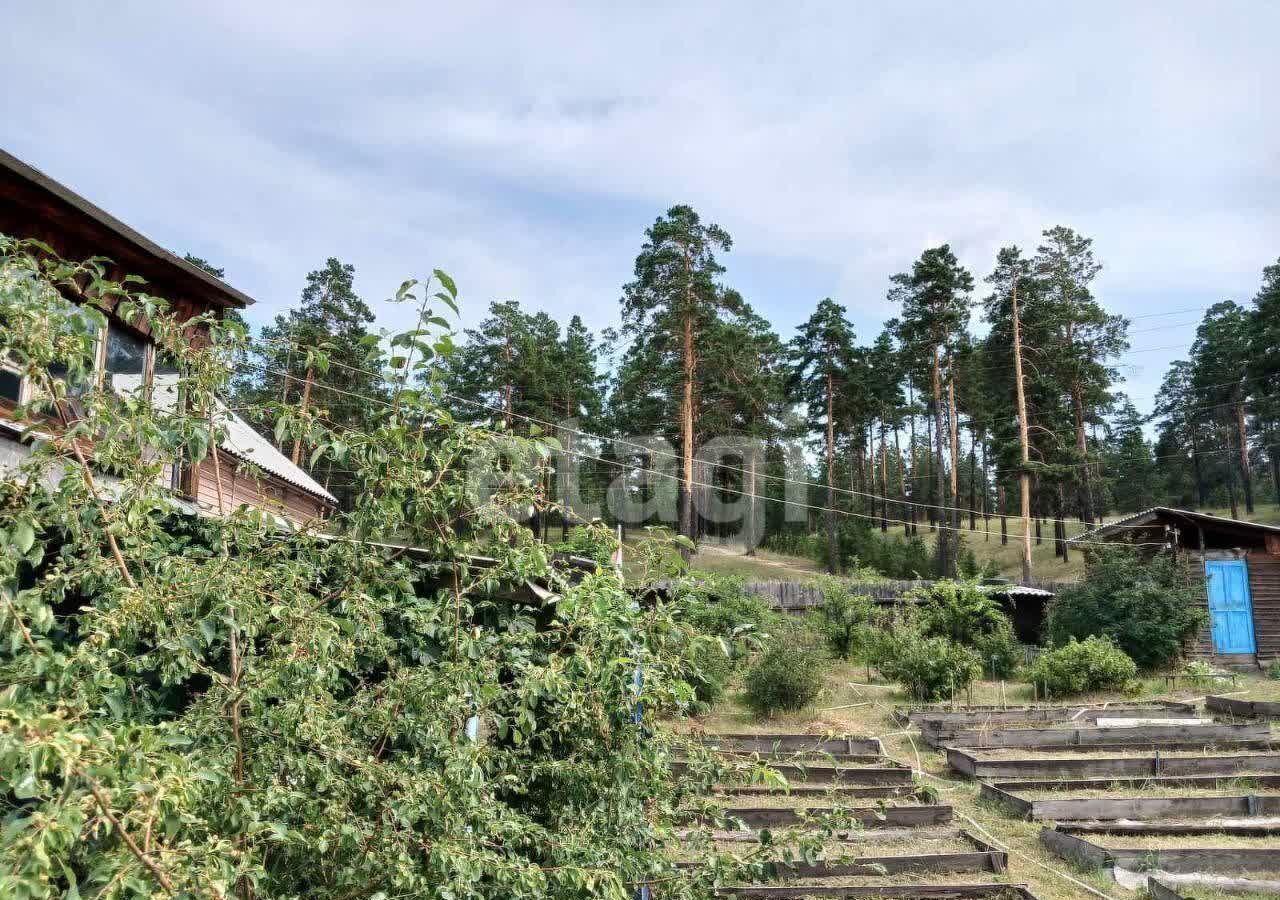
<point x="1130" y="793"/>
<point x="1052" y="753"/>
<point x="1184" y="842"/>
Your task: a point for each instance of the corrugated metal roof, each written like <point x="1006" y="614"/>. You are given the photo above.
<point x="241" y="441"/>
<point x="1138" y="519"/>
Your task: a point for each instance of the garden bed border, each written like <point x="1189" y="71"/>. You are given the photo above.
<point x="966" y="761"/>
<point x="1112" y="736"/>
<point x="1067" y="843"/>
<point x="1249" y="709"/>
<point x="1071" y="809"/>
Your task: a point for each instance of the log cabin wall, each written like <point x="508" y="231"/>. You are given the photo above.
<point x="1264" y="586"/>
<point x="242" y="487"/>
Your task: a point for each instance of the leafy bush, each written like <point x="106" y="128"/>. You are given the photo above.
<point x="591" y="541"/>
<point x="716" y="605"/>
<point x="708" y="669"/>
<point x="845" y="617"/>
<point x="964" y="614"/>
<point x="1273" y="671"/>
<point x="784" y="679"/>
<point x="929" y="668"/>
<point x="1094" y="664"/>
<point x="1148" y="606"/>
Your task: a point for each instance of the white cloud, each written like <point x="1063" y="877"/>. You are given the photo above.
<point x="525" y="148"/>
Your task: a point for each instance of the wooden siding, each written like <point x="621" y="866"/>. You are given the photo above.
<point x="239" y="486"/>
<point x="1264" y="586"/>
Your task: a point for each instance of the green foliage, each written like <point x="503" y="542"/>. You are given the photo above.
<point x="846" y="618"/>
<point x="590" y="541"/>
<point x="784" y="678"/>
<point x="1094" y="664"/>
<point x="928" y="668"/>
<point x="1148" y="606"/>
<point x="962" y="613"/>
<point x="1273" y="670"/>
<point x="717" y="606"/>
<point x="219" y="706"/>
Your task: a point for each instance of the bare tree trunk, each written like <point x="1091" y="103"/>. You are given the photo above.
<point x="833" y="544"/>
<point x="1024" y="475"/>
<point x="1004" y="520"/>
<point x="973" y="481"/>
<point x="884" y="481"/>
<point x="1246" y="474"/>
<point x="686" y="434"/>
<point x="946" y="566"/>
<point x="902" y="478"/>
<point x="1202" y="492"/>
<point x="914" y="473"/>
<point x="306" y="399"/>
<point x="1082" y="448"/>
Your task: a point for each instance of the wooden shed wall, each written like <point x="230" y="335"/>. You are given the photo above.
<point x="239" y="487"/>
<point x="1264" y="586"/>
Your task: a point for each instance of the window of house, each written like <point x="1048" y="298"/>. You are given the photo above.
<point x="10" y="386"/>
<point x="124" y="361"/>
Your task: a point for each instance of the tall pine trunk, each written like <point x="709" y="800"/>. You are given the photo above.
<point x="686" y="435"/>
<point x="833" y="545"/>
<point x="1082" y="448"/>
<point x="1246" y="476"/>
<point x="945" y="566"/>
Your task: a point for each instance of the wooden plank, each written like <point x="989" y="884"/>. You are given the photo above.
<point x="812" y="790"/>
<point x="1195" y="735"/>
<point x="972" y="764"/>
<point x="1238" y="829"/>
<point x="844" y="775"/>
<point x="882" y="892"/>
<point x="978" y="714"/>
<point x="1250" y="709"/>
<point x="1145" y="808"/>
<point x="991" y="793"/>
<point x="935" y="863"/>
<point x="870" y="817"/>
<point x="849" y="745"/>
<point x="1070" y="846"/>
<point x="1224" y="782"/>
<point x="1214" y="860"/>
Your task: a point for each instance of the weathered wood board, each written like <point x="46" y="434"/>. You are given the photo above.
<point x="972" y="763"/>
<point x="1137" y="808"/>
<point x="981" y="715"/>
<point x="1193" y="735"/>
<point x="880" y="892"/>
<point x="1249" y="709"/>
<point x="1097" y="853"/>
<point x="818" y="790"/>
<point x="983" y="858"/>
<point x="825" y="774"/>
<point x="870" y="817"/>
<point x="778" y="744"/>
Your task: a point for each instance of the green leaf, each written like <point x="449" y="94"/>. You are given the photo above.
<point x="448" y="284"/>
<point x="23" y="536"/>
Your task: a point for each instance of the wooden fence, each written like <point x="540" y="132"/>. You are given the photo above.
<point x="801" y="596"/>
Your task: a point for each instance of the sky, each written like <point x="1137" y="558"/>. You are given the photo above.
<point x="525" y="148"/>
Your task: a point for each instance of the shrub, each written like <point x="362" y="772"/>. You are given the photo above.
<point x="845" y="617"/>
<point x="929" y="668"/>
<point x="1273" y="671"/>
<point x="964" y="614"/>
<point x="1094" y="664"/>
<point x="1146" y="605"/>
<point x="707" y="669"/>
<point x="590" y="541"/>
<point x="716" y="605"/>
<point x="783" y="679"/>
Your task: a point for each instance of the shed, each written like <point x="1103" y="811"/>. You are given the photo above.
<point x="1241" y="565"/>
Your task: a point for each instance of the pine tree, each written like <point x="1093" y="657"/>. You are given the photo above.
<point x="1219" y="377"/>
<point x="822" y="356"/>
<point x="672" y="305"/>
<point x="935" y="312"/>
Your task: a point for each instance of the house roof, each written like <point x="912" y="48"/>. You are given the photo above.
<point x="32" y="175"/>
<point x="1158" y="513"/>
<point x="241" y="441"/>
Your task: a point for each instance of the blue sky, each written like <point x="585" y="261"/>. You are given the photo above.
<point x="525" y="148"/>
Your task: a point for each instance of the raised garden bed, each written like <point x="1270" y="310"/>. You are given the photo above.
<point x="884" y="772"/>
<point x="834" y="791"/>
<point x="1182" y="735"/>
<point x="978" y="715"/>
<point x="870" y="817"/>
<point x="967" y="853"/>
<point x="1249" y="709"/>
<point x="1137" y="808"/>
<point x="780" y="744"/>
<point x="882" y="891"/>
<point x="1132" y="762"/>
<point x="1097" y="851"/>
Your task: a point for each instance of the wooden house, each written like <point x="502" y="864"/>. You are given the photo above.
<point x="1241" y="565"/>
<point x="33" y="205"/>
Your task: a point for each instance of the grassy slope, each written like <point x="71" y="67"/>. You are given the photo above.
<point x="873" y="718"/>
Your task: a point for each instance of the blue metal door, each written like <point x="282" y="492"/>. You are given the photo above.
<point x="1230" y="607"/>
